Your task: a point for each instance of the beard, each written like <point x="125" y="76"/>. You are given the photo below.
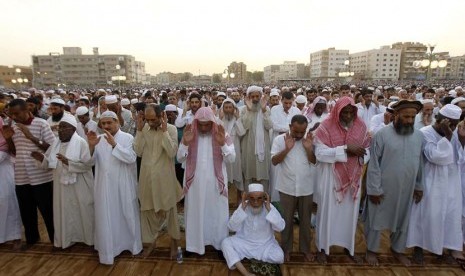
<point x="57" y="117"/>
<point x="228" y="116"/>
<point x="256" y="210"/>
<point x="256" y="107"/>
<point x="403" y="129"/>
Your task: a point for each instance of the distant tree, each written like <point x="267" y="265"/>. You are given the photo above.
<point x="257" y="76"/>
<point x="216" y="78"/>
<point x="249" y="76"/>
<point x="186" y="76"/>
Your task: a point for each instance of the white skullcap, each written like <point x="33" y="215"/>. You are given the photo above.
<point x="50" y="92"/>
<point x="229" y="90"/>
<point x="109" y="114"/>
<point x="82" y="110"/>
<point x="451" y="111"/>
<point x="221" y="94"/>
<point x="111" y="99"/>
<point x="394" y="98"/>
<point x="101" y="90"/>
<point x="426" y="101"/>
<point x="274" y="92"/>
<point x="70" y="119"/>
<point x="14" y="96"/>
<point x="57" y="101"/>
<point x="353" y="86"/>
<point x="255" y="188"/>
<point x="458" y="88"/>
<point x="389" y="107"/>
<point x="457" y="100"/>
<point x="386" y="87"/>
<point x="380" y="87"/>
<point x="301" y="99"/>
<point x="26" y="94"/>
<point x="125" y="101"/>
<point x="84" y="98"/>
<point x="254" y="88"/>
<point x="171" y="107"/>
<point x="133" y="101"/>
<point x="453" y="93"/>
<point x="63" y="92"/>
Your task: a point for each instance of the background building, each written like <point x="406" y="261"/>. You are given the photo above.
<point x="326" y="64"/>
<point x="457" y="68"/>
<point x="376" y="64"/>
<point x="239" y="69"/>
<point x="74" y="68"/>
<point x="410" y="52"/>
<point x="289" y="70"/>
<point x="15" y="76"/>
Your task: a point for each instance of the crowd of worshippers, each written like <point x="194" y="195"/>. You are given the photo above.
<point x="110" y="172"/>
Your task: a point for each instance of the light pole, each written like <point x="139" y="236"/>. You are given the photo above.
<point x="228" y="75"/>
<point x="430" y="62"/>
<point x="347" y="73"/>
<point x="118" y="67"/>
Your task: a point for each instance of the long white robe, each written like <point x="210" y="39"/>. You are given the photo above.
<point x="73" y="204"/>
<point x="10" y="219"/>
<point x="336" y="222"/>
<point x="206" y="211"/>
<point x="254" y="238"/>
<point x="117" y="223"/>
<point x="435" y="222"/>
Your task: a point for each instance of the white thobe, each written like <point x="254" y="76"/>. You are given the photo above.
<point x="281" y="121"/>
<point x="10" y="219"/>
<point x="377" y="123"/>
<point x="367" y="113"/>
<point x="83" y="129"/>
<point x="183" y="121"/>
<point x="117" y="223"/>
<point x="435" y="222"/>
<point x="206" y="211"/>
<point x="73" y="204"/>
<point x="336" y="221"/>
<point x="254" y="238"/>
<point x="314" y="119"/>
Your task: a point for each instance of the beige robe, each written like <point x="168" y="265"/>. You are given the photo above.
<point x="159" y="189"/>
<point x="251" y="167"/>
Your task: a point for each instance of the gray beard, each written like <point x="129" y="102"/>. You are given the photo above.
<point x="228" y="117"/>
<point x="255" y="107"/>
<point x="256" y="211"/>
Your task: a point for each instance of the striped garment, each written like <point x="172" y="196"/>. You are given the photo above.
<point x="26" y="168"/>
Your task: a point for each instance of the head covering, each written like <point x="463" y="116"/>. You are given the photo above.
<point x="57" y="101"/>
<point x="125" y="101"/>
<point x="254" y="187"/>
<point x="311" y="108"/>
<point x="453" y="93"/>
<point x="205" y="114"/>
<point x="332" y="134"/>
<point x="451" y="111"/>
<point x="458" y="88"/>
<point x="389" y="107"/>
<point x="254" y="88"/>
<point x="408" y="104"/>
<point x="221" y="94"/>
<point x="82" y="110"/>
<point x="83" y="98"/>
<point x="111" y="99"/>
<point x="134" y="101"/>
<point x="426" y="101"/>
<point x="109" y="114"/>
<point x="457" y="100"/>
<point x="171" y="107"/>
<point x="274" y="92"/>
<point x="301" y="99"/>
<point x="70" y="119"/>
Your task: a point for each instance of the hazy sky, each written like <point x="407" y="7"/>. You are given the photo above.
<point x="206" y="35"/>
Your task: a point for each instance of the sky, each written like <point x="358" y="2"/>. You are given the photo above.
<point x="205" y="36"/>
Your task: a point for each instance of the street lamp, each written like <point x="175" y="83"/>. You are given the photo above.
<point x="347" y="72"/>
<point x="430" y="62"/>
<point x="228" y="75"/>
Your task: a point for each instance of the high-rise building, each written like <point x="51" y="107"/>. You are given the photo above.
<point x="74" y="68"/>
<point x="326" y="64"/>
<point x="239" y="69"/>
<point x="410" y="52"/>
<point x="376" y="64"/>
<point x="457" y="68"/>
